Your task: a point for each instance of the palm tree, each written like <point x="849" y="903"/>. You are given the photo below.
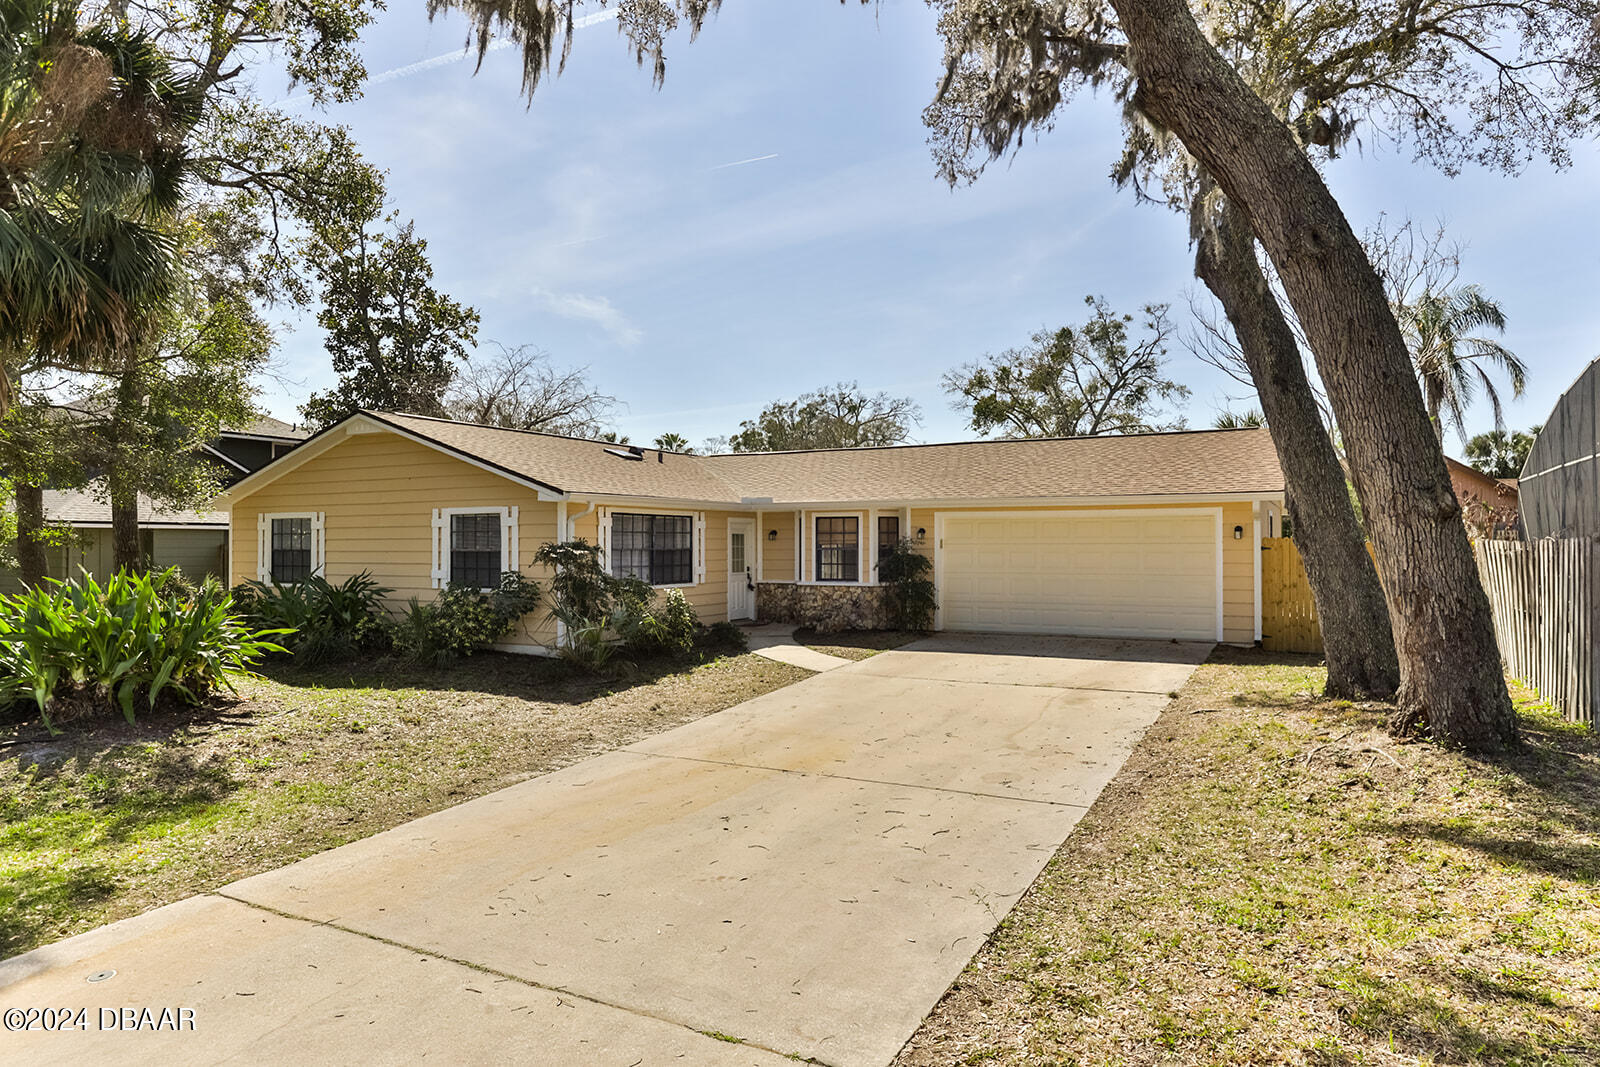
<point x="1229" y="420"/>
<point x="93" y="121"/>
<point x="673" y="442"/>
<point x="1453" y="363"/>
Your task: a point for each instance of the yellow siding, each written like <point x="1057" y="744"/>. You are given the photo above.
<point x="377" y="492"/>
<point x="1239" y="574"/>
<point x="777" y="557"/>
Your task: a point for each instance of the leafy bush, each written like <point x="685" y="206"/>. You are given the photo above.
<point x="648" y="628"/>
<point x="904" y="571"/>
<point x="78" y="648"/>
<point x="330" y="622"/>
<point x="462" y="620"/>
<point x="724" y="637"/>
<point x="594" y="607"/>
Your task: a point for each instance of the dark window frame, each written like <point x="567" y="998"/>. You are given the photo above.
<point x="284" y="565"/>
<point x="838" y="548"/>
<point x="657" y="548"/>
<point x="469" y="566"/>
<point x="894" y="537"/>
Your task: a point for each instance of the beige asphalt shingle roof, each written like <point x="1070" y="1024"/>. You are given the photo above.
<point x="90" y="507"/>
<point x="1196" y="463"/>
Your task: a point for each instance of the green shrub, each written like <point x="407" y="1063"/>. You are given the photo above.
<point x="595" y="608"/>
<point x="649" y="628"/>
<point x="912" y="601"/>
<point x="79" y="649"/>
<point x="331" y="622"/>
<point x="461" y="620"/>
<point x="723" y="637"/>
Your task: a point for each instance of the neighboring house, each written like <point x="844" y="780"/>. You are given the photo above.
<point x="1488" y="504"/>
<point x="1156" y="535"/>
<point x="196" y="542"/>
<point x="1560" y="482"/>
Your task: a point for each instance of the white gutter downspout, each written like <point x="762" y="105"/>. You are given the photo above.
<point x="571" y="531"/>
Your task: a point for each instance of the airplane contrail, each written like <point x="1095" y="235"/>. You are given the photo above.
<point x="742" y="162"/>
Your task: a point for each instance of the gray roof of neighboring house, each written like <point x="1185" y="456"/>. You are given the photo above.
<point x="1192" y="463"/>
<point x="99" y="405"/>
<point x="83" y="507"/>
<point x="267" y="426"/>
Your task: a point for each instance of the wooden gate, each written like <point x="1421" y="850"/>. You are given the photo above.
<point x="1288" y="613"/>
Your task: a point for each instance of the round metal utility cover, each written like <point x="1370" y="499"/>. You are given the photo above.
<point x="101" y="976"/>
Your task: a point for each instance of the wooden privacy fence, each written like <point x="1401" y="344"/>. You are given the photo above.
<point x="1546" y="601"/>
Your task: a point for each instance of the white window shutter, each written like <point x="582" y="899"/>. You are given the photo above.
<point x="602" y="538"/>
<point x="263" y="550"/>
<point x="441" y="551"/>
<point x="699" y="547"/>
<point x="508" y="540"/>
<point x="319" y="547"/>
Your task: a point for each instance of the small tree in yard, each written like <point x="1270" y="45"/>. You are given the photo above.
<point x="912" y="598"/>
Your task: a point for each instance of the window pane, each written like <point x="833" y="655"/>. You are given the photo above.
<point x="657" y="548"/>
<point x="736" y="553"/>
<point x="838" y="549"/>
<point x="888" y="534"/>
<point x="475" y="550"/>
<point x="290" y="561"/>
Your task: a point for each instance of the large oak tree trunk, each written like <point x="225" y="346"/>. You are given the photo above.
<point x="1344" y="584"/>
<point x="31" y="560"/>
<point x="1450" y="665"/>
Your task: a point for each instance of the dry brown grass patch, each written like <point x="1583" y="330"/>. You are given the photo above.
<point x="1271" y="879"/>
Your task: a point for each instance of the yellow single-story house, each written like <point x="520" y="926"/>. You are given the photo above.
<point x="1153" y="536"/>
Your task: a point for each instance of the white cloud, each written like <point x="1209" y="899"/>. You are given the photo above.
<point x="595" y="309"/>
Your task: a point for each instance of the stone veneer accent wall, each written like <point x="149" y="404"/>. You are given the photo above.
<point x="825" y="608"/>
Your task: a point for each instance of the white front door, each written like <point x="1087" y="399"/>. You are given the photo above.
<point x="741" y="569"/>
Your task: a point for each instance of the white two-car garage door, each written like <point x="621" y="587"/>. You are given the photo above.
<point x="1114" y="574"/>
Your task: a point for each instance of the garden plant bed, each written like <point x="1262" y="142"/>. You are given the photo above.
<point x="855" y="644"/>
<point x="1272" y="879"/>
<point x="98" y="824"/>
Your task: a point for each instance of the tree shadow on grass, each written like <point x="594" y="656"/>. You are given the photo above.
<point x="55" y="812"/>
<point x="539" y="678"/>
<point x="27" y="740"/>
<point x="1410" y="1020"/>
<point x="33" y="899"/>
<point x="1551" y="812"/>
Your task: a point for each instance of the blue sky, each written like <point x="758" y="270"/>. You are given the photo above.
<point x="770" y="222"/>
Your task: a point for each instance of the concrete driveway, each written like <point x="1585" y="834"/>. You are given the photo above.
<point x="804" y="874"/>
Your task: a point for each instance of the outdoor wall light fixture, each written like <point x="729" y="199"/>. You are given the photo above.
<point x="772" y="535"/>
<point x="1238" y="533"/>
<point x="922" y="533"/>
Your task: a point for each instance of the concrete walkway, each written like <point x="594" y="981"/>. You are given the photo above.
<point x="775" y="640"/>
<point x="804" y="873"/>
